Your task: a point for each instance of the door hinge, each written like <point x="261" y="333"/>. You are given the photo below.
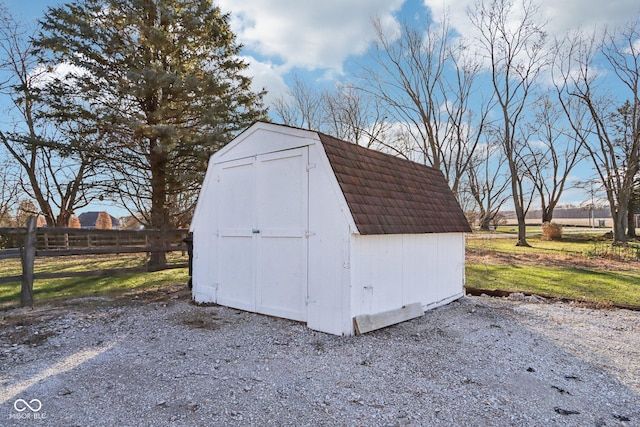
<point x="309" y="233"/>
<point x="310" y="166"/>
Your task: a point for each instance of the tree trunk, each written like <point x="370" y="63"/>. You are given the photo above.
<point x="631" y="221"/>
<point x="485" y="222"/>
<point x="159" y="212"/>
<point x="28" y="253"/>
<point x="522" y="234"/>
<point x="619" y="227"/>
<point x="520" y="213"/>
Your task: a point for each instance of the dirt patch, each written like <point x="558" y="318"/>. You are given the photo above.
<point x="201" y="321"/>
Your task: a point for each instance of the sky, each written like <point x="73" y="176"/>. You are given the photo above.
<point x="321" y="41"/>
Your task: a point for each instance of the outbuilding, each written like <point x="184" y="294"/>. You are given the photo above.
<point x="297" y="224"/>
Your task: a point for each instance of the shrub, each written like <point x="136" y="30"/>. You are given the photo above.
<point x="551" y="231"/>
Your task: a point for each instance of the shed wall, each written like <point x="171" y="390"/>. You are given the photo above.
<point x="391" y="271"/>
<point x="205" y="249"/>
<point x="330" y="228"/>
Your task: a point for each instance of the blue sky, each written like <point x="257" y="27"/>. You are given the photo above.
<point x="321" y="41"/>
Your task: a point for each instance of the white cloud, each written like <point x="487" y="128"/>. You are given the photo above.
<point x="266" y="75"/>
<point x="561" y="15"/>
<point x="40" y="76"/>
<point x="634" y="49"/>
<point x="308" y="35"/>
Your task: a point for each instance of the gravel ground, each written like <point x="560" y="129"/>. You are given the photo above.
<point x="156" y="359"/>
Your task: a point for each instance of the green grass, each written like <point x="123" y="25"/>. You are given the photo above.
<point x="564" y="282"/>
<point x="581" y="245"/>
<point x="67" y="288"/>
<point x="560" y="278"/>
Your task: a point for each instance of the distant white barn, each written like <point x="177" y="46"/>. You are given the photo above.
<point x="297" y="224"/>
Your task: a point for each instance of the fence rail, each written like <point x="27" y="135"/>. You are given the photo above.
<point x="52" y="239"/>
<point x="30" y="242"/>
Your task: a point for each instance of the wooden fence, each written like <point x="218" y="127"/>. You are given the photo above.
<point x="30" y="242"/>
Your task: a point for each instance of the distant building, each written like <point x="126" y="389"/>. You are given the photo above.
<point x="88" y="220"/>
<point x="598" y="216"/>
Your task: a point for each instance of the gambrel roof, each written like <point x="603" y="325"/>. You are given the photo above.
<point x="390" y="195"/>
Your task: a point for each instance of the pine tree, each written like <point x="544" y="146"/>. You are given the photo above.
<point x="163" y="80"/>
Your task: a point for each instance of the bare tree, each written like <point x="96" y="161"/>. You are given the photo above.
<point x="513" y="46"/>
<point x="488" y="182"/>
<point x="57" y="172"/>
<point x="353" y="116"/>
<point x="411" y="78"/>
<point x="552" y="151"/>
<point x="9" y="192"/>
<point x="344" y="112"/>
<point x="301" y="107"/>
<point x="26" y="208"/>
<point x="634" y="209"/>
<point x="608" y="127"/>
<point x="592" y="187"/>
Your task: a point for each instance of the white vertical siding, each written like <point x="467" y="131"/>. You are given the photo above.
<point x="329" y="276"/>
<point x="282" y="213"/>
<point x="390" y="271"/>
<point x="205" y="254"/>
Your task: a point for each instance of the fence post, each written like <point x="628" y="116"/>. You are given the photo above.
<point x="28" y="253"/>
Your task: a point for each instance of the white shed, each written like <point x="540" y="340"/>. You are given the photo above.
<point x="300" y="225"/>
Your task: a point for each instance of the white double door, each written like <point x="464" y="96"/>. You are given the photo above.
<point x="262" y="224"/>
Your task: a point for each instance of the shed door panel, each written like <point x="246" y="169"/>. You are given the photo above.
<point x="263" y="246"/>
<point x="282" y="221"/>
<point x="237" y="249"/>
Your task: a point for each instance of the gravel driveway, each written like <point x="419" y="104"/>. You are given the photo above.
<point x="157" y="359"/>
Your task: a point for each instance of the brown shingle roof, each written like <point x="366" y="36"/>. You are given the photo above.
<point x="389" y="195"/>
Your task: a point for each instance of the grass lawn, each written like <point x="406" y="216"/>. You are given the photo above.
<point x="580" y="245"/>
<point x="582" y="266"/>
<point x="47" y="289"/>
<point x="579" y="266"/>
<point x="614" y="287"/>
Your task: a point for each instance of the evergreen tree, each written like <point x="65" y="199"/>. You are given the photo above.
<point x="163" y="81"/>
